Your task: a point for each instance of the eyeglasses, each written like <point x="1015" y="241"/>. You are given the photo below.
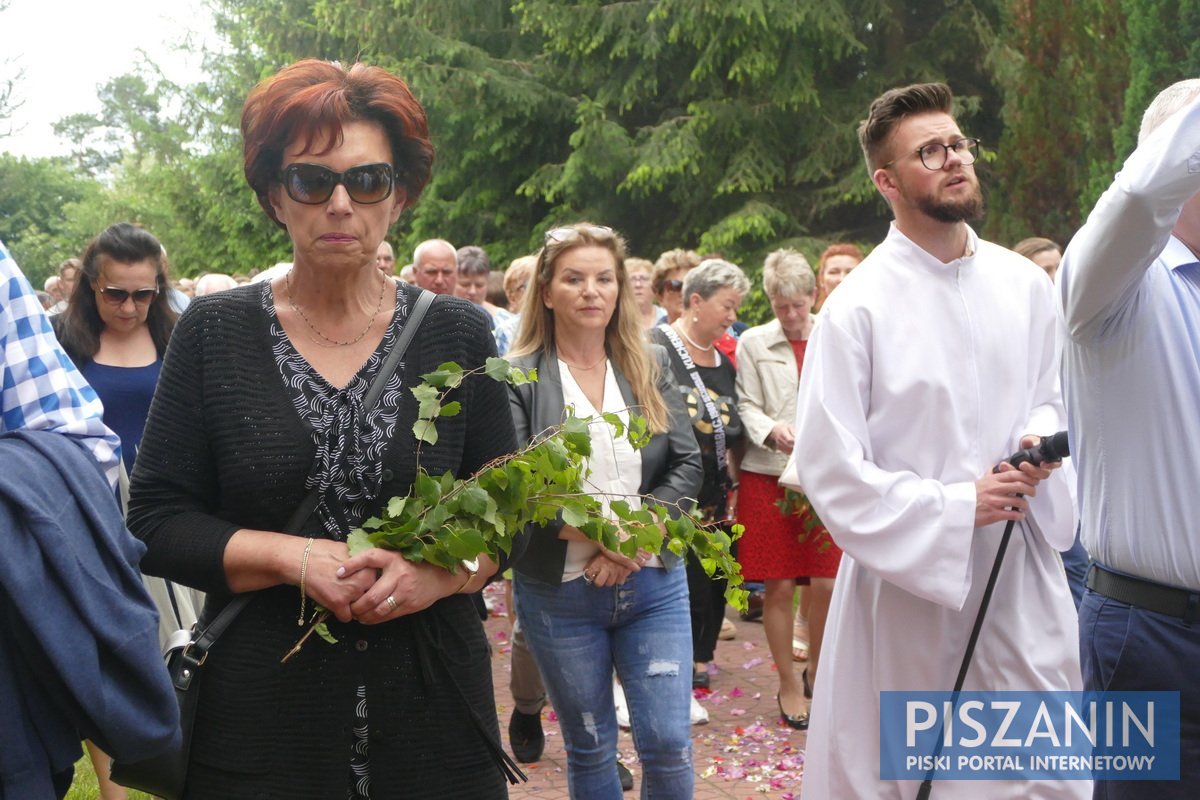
<point x="313" y="184"/>
<point x="639" y="277"/>
<point x="116" y="296"/>
<point x="561" y="235"/>
<point x="933" y="155"/>
<point x="673" y="285"/>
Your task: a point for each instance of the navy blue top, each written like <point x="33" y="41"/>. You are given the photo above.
<point x="126" y="393"/>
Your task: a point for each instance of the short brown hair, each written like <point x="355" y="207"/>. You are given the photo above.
<point x="312" y="97"/>
<point x="892" y="107"/>
<point x="670" y="261"/>
<point x="1035" y="244"/>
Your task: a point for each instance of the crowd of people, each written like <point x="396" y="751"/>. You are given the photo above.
<point x="859" y="437"/>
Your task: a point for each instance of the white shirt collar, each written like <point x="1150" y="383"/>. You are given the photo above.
<point x="926" y="259"/>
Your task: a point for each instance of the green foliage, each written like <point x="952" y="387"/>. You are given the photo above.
<point x="723" y="127"/>
<point x="445" y="520"/>
<point x="797" y="504"/>
<point x="1063" y="70"/>
<point x="37" y="223"/>
<point x="1161" y="48"/>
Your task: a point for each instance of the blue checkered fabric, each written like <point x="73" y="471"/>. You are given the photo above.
<point x="41" y="389"/>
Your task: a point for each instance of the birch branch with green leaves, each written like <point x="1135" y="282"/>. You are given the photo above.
<point x="445" y="520"/>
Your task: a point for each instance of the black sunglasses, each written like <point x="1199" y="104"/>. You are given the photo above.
<point x="117" y="296"/>
<point x="313" y="184"/>
<point x="673" y="285"/>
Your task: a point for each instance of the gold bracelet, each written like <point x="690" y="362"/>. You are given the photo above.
<point x="303" y="573"/>
<point x="464" y="583"/>
<point x="472" y="569"/>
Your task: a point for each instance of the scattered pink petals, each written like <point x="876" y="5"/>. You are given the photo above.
<point x="752" y="663"/>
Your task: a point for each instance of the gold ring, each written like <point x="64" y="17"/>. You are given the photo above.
<point x="391" y="601"/>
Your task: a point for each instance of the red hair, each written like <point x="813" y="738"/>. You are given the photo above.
<point x="311" y="99"/>
<point x="839" y="249"/>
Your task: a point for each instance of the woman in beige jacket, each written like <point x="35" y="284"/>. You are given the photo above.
<point x="776" y="548"/>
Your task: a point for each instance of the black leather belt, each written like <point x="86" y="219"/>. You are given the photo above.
<point x="1144" y="594"/>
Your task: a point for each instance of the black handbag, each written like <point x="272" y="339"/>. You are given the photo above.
<point x="165" y="775"/>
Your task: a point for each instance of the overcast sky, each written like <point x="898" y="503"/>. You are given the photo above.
<point x="68" y="49"/>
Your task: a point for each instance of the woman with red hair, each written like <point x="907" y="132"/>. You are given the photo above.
<point x="835" y="264"/>
<point x="262" y="403"/>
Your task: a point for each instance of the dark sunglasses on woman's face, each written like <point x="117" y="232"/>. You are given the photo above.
<point x="673" y="285"/>
<point x="117" y="296"/>
<point x="313" y="184"/>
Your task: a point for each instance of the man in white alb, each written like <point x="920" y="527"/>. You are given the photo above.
<point x="933" y="361"/>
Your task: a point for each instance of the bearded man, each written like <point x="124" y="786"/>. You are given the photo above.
<point x="933" y="361"/>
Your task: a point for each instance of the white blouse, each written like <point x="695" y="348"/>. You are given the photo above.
<point x="616" y="468"/>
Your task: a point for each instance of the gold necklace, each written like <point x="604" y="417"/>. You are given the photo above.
<point x="328" y="340"/>
<point x="692" y="341"/>
<point x="584" y="369"/>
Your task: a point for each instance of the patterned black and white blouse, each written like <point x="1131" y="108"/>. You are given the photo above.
<point x="348" y="465"/>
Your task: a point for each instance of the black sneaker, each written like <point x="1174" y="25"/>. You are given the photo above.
<point x="526" y="737"/>
<point x="626" y="777"/>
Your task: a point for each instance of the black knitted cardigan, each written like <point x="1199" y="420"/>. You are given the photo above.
<point x="225" y="449"/>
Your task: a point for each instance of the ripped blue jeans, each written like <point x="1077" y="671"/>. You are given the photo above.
<point x="578" y="635"/>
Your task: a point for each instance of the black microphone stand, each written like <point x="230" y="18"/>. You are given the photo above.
<point x="1053" y="448"/>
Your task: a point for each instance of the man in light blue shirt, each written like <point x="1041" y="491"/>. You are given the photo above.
<point x="1130" y="291"/>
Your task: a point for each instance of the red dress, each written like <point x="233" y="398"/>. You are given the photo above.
<point x="776" y="545"/>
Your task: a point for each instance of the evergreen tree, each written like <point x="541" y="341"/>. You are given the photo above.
<point x="1063" y="71"/>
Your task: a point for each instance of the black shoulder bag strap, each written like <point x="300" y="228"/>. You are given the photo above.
<point x="714" y="415"/>
<point x="198" y="650"/>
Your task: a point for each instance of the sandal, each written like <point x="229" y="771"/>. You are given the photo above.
<point x="799" y="650"/>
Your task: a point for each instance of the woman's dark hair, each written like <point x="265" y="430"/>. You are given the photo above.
<point x="80" y="324"/>
<point x="312" y="98"/>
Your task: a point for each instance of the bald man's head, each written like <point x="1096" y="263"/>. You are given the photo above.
<point x="435" y="266"/>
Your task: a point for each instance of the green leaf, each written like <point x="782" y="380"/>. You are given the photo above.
<point x="357" y="542"/>
<point x="519" y="377"/>
<point x="425" y="392"/>
<point x="429" y="409"/>
<point x="451" y="409"/>
<point x="497" y="369"/>
<point x="446" y="376"/>
<point x="425" y="431"/>
<point x="475" y="501"/>
<point x="395" y="506"/>
<point x="428" y="489"/>
<point x="573" y="514"/>
<point x="614" y="420"/>
<point x="322" y="629"/>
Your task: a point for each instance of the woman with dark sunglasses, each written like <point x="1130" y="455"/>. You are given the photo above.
<point x="667" y="280"/>
<point x="115" y="327"/>
<point x="117" y="324"/>
<point x="587" y="610"/>
<point x="261" y="404"/>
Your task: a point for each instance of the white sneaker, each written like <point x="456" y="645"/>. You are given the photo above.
<point x="621" y="705"/>
<point x="698" y="714"/>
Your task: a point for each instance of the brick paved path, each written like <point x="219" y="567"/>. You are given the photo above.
<point x="743" y="753"/>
